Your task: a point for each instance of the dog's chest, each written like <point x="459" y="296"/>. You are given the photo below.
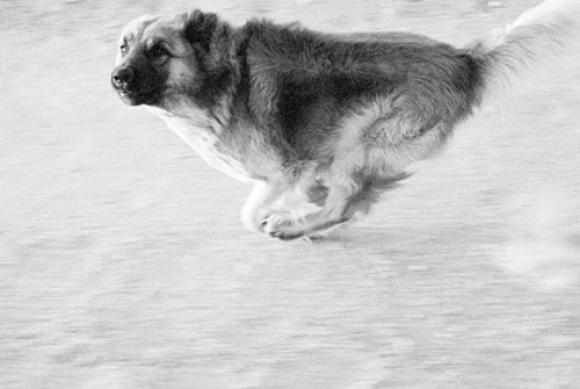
<point x="206" y="137"/>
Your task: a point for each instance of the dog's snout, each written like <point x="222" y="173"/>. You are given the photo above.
<point x="121" y="77"/>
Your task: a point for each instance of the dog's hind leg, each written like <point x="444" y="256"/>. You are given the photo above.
<point x="341" y="204"/>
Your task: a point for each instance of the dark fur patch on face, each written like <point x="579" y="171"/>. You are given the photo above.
<point x="140" y="76"/>
<point x="145" y="85"/>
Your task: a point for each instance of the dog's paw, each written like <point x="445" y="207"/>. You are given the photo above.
<point x="283" y="226"/>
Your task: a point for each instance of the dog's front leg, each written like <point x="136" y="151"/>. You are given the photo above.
<point x="340" y="205"/>
<point x="258" y="206"/>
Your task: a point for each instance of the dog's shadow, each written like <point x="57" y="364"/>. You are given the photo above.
<point x="380" y="239"/>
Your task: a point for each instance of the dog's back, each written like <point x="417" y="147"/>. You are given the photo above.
<point x="309" y="82"/>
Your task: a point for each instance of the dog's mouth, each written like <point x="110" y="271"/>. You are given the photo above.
<point x="138" y="97"/>
<point x="129" y="97"/>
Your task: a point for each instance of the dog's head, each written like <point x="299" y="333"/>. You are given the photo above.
<point x="159" y="57"/>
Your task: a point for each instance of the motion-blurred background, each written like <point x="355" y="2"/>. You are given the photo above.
<point x="123" y="263"/>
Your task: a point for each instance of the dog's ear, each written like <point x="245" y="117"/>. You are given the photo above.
<point x="200" y="28"/>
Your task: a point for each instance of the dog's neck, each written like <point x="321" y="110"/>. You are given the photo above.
<point x="207" y="120"/>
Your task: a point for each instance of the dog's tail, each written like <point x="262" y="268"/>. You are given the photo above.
<point x="534" y="38"/>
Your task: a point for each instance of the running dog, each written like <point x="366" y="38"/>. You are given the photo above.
<point x="325" y="122"/>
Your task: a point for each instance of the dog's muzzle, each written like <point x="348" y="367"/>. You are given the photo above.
<point x="130" y="85"/>
<point x="136" y="85"/>
<point x="122" y="78"/>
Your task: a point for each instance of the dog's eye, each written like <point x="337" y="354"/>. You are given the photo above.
<point x="124" y="49"/>
<point x="157" y="51"/>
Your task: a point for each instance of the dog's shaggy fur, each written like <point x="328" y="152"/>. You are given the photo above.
<point x="323" y="122"/>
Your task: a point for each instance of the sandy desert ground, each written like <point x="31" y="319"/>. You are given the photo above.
<point x="123" y="263"/>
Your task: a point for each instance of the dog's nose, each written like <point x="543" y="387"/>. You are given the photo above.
<point x="122" y="77"/>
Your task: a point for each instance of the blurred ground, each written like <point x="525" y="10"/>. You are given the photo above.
<point x="123" y="263"/>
